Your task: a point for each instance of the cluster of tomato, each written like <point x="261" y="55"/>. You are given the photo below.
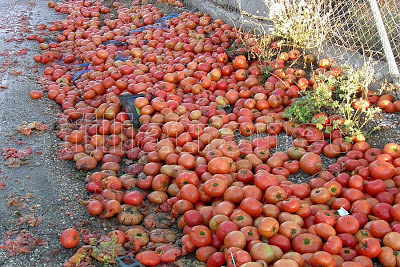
<point x="232" y="199"/>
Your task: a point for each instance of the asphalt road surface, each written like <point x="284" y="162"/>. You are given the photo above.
<point x="39" y="197"/>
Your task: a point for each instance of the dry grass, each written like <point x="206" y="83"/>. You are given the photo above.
<point x="254" y="38"/>
<point x="257" y="44"/>
<point x="304" y="24"/>
<point x="389" y="88"/>
<point x="300" y="24"/>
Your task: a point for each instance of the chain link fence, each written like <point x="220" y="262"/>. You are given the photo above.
<point x="351" y="32"/>
<point x="354" y="29"/>
<point x="351" y="35"/>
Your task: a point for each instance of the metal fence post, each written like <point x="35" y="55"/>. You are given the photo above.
<point x="393" y="69"/>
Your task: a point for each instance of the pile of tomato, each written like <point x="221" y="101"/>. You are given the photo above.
<point x="214" y="172"/>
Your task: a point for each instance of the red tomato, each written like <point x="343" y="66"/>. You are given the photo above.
<point x="224" y="228"/>
<point x="348" y="240"/>
<point x="240" y="62"/>
<point x="133" y="198"/>
<point x="333" y="245"/>
<point x="192" y="217"/>
<point x="252" y="206"/>
<point x="216" y="260"/>
<point x="347" y="224"/>
<point x="379" y="169"/>
<point x="369" y="247"/>
<point x="245" y="176"/>
<point x="69" y="238"/>
<point x="200" y="236"/>
<point x="322" y="258"/>
<point x="280" y="241"/>
<point x="95" y="207"/>
<point x="374" y="187"/>
<point x="311" y="163"/>
<point x="148" y="258"/>
<point x="382" y="211"/>
<point x="36" y="94"/>
<point x="306" y="243"/>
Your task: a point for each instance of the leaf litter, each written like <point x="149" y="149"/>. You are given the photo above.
<point x="14" y="158"/>
<point x="27" y="128"/>
<point x="17" y="242"/>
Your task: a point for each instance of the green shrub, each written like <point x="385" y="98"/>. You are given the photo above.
<point x="335" y="95"/>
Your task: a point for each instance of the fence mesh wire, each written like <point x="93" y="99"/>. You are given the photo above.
<point x="353" y="28"/>
<point x="353" y="35"/>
